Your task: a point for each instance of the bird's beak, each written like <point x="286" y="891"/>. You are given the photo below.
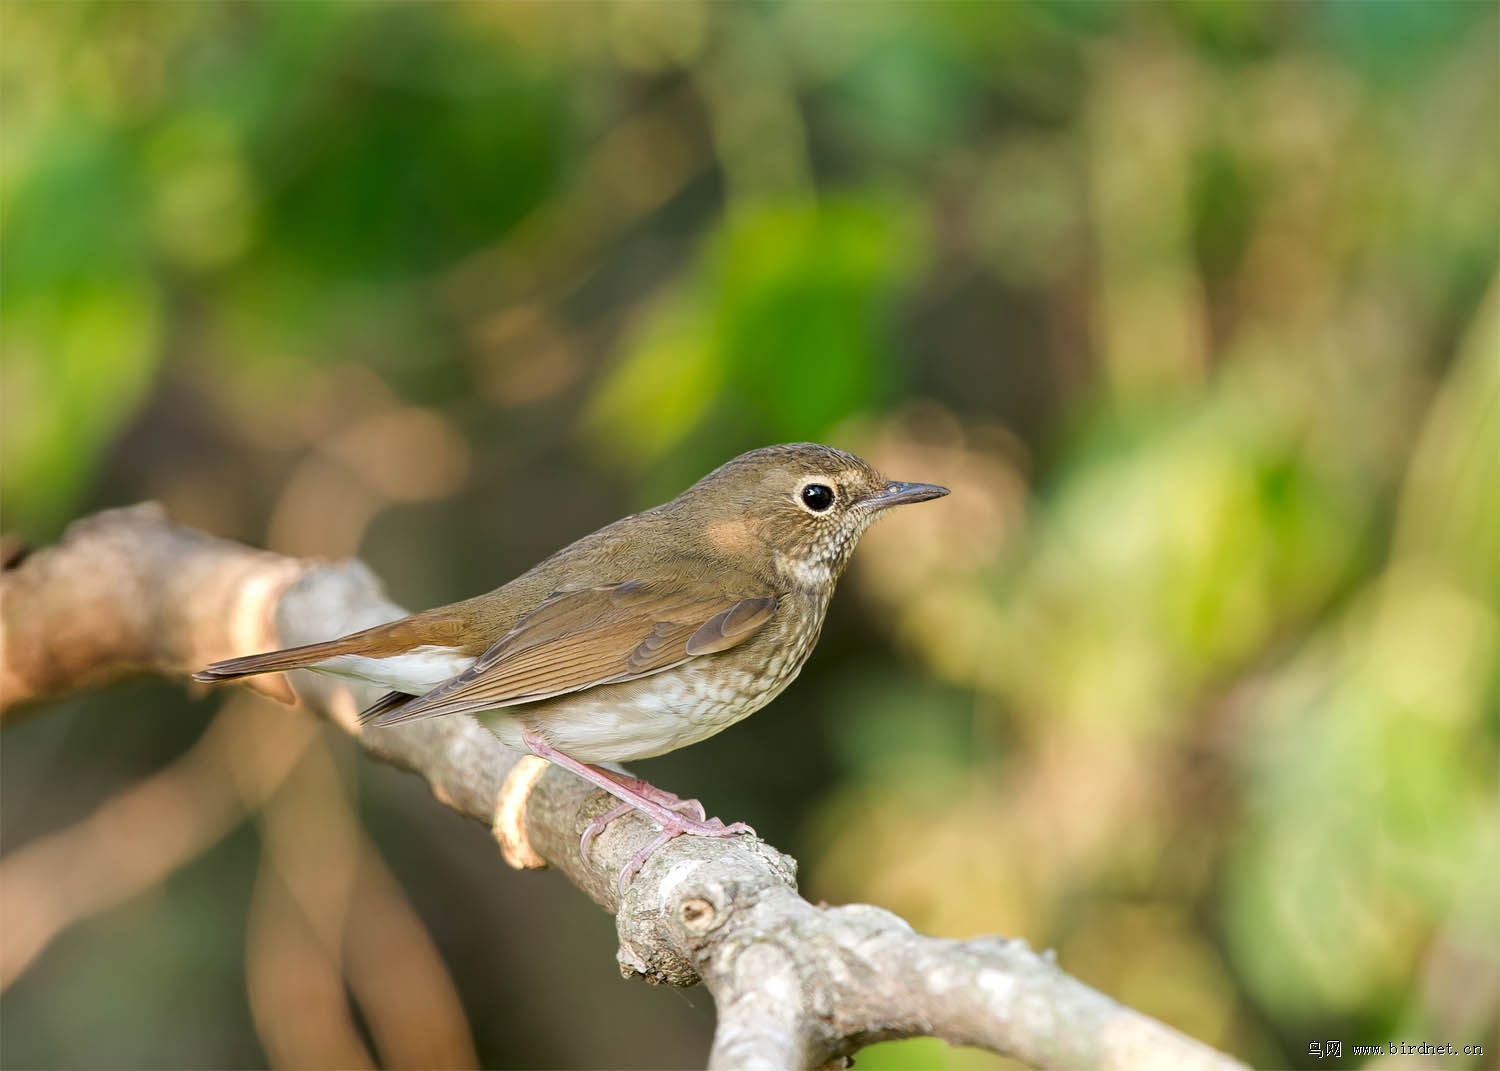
<point x="899" y="494"/>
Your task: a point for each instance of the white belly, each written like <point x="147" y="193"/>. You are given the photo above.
<point x="640" y="718"/>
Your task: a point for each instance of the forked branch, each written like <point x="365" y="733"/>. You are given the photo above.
<point x="796" y="985"/>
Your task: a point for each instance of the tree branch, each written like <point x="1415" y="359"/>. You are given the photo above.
<point x="795" y="984"/>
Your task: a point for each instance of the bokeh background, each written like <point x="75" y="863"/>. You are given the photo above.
<point x="1192" y="679"/>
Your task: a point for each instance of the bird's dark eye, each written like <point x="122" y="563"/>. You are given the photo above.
<point x="817" y="497"/>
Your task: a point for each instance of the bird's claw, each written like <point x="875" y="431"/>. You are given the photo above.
<point x="597" y="826"/>
<point x="679" y="818"/>
<point x="703" y="827"/>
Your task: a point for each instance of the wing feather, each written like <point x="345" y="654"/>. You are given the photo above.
<point x="582" y="638"/>
<point x="729" y="627"/>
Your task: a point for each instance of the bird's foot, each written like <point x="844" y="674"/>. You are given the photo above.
<point x="711" y="827"/>
<point x="598" y="825"/>
<point x="686" y="818"/>
<point x="689" y="808"/>
<point x="675" y="816"/>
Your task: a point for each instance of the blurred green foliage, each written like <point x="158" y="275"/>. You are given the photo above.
<point x="789" y="296"/>
<point x="1194" y="305"/>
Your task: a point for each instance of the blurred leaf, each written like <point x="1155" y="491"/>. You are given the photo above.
<point x="77" y="363"/>
<point x="1234" y="29"/>
<point x="884" y="726"/>
<point x="660" y="392"/>
<point x="1371" y="817"/>
<point x="353" y="193"/>
<point x="906" y="95"/>
<point x="202" y="213"/>
<point x="80" y="319"/>
<point x="1392" y="39"/>
<point x="1224" y="204"/>
<point x="791" y="336"/>
<point x="1173" y="547"/>
<point x="1333" y="893"/>
<point x="802" y="297"/>
<point x="1450" y="510"/>
<point x="927" y="1054"/>
<point x="73" y="212"/>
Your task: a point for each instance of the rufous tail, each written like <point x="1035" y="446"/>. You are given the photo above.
<point x="297" y="658"/>
<point x="273" y="661"/>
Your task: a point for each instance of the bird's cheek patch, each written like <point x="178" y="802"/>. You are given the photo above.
<point x="731" y="537"/>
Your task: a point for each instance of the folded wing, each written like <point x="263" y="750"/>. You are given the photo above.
<point x="586" y="637"/>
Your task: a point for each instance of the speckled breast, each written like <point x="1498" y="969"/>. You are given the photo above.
<point x="672" y="709"/>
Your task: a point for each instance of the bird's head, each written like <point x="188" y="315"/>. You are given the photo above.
<point x="798" y="509"/>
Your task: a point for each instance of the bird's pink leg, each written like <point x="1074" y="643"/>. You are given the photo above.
<point x="670" y="800"/>
<point x="675" y="816"/>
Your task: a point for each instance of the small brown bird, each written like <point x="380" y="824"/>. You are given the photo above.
<point x="652" y="633"/>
